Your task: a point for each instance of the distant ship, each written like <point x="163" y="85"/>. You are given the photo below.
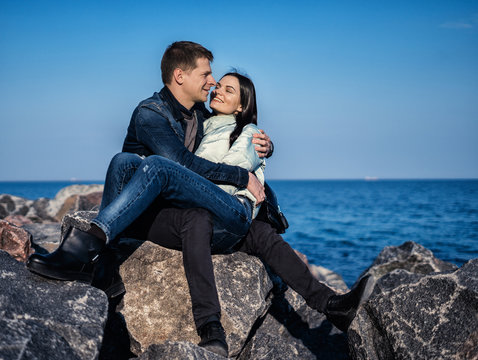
<point x="371" y="178"/>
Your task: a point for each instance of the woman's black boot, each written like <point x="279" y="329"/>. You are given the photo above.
<point x="106" y="275"/>
<point x="213" y="338"/>
<point x="73" y="260"/>
<point x="341" y="309"/>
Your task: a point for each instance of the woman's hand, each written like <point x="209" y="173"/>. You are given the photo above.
<point x="256" y="188"/>
<point x="265" y="147"/>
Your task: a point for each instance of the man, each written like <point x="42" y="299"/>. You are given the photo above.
<point x="170" y="124"/>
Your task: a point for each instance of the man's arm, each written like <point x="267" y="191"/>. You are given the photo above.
<point x="155" y="132"/>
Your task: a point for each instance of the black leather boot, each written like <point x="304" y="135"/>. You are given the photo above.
<point x="73" y="260"/>
<point x="341" y="309"/>
<point x="106" y="275"/>
<point x="213" y="338"/>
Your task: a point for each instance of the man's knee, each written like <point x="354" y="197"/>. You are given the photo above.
<point x="124" y="160"/>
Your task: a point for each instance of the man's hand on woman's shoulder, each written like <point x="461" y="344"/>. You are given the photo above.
<point x="264" y="146"/>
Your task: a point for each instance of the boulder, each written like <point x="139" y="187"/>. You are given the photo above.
<point x="68" y="200"/>
<point x="332" y="279"/>
<point x="178" y="350"/>
<point x="421" y="307"/>
<point x="79" y="219"/>
<point x="293" y="330"/>
<point x="13" y="205"/>
<point x="18" y="220"/>
<point x="157" y="304"/>
<point x="45" y="237"/>
<point x="15" y="241"/>
<point x="79" y="202"/>
<point x="409" y="256"/>
<point x="38" y="211"/>
<point x="46" y="319"/>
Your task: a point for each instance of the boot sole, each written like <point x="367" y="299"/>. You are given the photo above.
<point x="65" y="275"/>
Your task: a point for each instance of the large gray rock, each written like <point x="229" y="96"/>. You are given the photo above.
<point x="68" y="200"/>
<point x="178" y="350"/>
<point x="409" y="256"/>
<point x="46" y="319"/>
<point x="293" y="330"/>
<point x="13" y="205"/>
<point x="157" y="304"/>
<point x="411" y="315"/>
<point x="45" y="237"/>
<point x="79" y="219"/>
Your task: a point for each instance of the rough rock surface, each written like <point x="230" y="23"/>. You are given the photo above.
<point x="78" y="219"/>
<point x="45" y="237"/>
<point x="69" y="199"/>
<point x="409" y="256"/>
<point x="46" y="319"/>
<point x="15" y="241"/>
<point x="157" y="305"/>
<point x="18" y="220"/>
<point x="78" y="202"/>
<point x="13" y="205"/>
<point x="412" y="315"/>
<point x="292" y="330"/>
<point x="178" y="350"/>
<point x="421" y="307"/>
<point x="73" y="198"/>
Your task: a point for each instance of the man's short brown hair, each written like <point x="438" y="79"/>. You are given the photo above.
<point x="183" y="55"/>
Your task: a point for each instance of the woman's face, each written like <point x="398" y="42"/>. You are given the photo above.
<point x="226" y="97"/>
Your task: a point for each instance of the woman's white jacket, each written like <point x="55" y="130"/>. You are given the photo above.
<point x="215" y="147"/>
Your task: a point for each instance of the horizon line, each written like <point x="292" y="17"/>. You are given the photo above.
<point x="368" y="179"/>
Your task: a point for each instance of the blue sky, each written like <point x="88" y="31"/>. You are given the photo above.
<point x="345" y="89"/>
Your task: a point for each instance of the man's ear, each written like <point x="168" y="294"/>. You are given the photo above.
<point x="178" y="76"/>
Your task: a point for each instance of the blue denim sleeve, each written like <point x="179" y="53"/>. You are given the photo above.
<point x="155" y="131"/>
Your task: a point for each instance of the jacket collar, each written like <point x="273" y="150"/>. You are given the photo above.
<point x="177" y="109"/>
<point x="223" y="119"/>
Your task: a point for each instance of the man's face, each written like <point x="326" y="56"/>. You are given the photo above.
<point x="198" y="81"/>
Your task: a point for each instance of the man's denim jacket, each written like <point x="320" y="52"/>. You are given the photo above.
<point x="154" y="130"/>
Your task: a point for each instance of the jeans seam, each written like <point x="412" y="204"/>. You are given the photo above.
<point x="124" y="176"/>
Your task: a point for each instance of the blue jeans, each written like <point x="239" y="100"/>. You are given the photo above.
<point x="157" y="176"/>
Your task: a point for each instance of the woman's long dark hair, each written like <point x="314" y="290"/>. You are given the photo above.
<point x="248" y="102"/>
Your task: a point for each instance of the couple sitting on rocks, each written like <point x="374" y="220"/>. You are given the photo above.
<point x="199" y="177"/>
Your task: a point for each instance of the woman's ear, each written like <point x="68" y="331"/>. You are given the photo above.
<point x="238" y="110"/>
<point x="178" y="76"/>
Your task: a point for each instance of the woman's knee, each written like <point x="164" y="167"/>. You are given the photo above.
<point x="200" y="217"/>
<point x="261" y="236"/>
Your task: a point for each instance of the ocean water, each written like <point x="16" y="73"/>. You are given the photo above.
<point x="343" y="225"/>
